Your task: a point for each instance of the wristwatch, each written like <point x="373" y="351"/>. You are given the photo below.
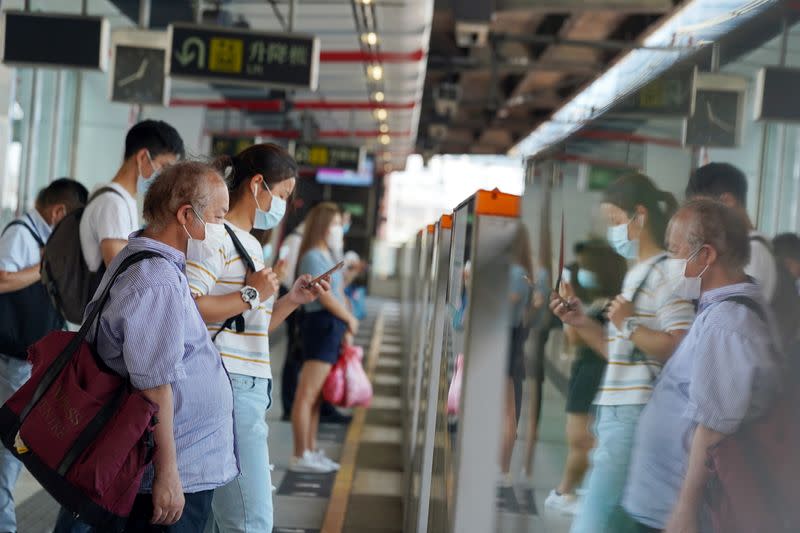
<point x="629" y="325"/>
<point x="250" y="296"/>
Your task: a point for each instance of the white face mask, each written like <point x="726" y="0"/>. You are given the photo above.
<point x="680" y="285"/>
<point x="335" y="239"/>
<point x="199" y="250"/>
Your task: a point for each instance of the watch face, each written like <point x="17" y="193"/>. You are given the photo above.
<point x="250" y="294"/>
<point x="138" y="75"/>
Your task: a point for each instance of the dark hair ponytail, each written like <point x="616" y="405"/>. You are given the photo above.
<point x="268" y="159"/>
<point x="633" y="190"/>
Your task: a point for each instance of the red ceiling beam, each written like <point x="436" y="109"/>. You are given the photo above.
<point x="277" y="105"/>
<point x="295" y="134"/>
<point x="357" y="56"/>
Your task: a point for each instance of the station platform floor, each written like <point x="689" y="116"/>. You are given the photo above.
<point x="366" y="495"/>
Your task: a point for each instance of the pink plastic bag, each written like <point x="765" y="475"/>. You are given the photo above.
<point x="347" y="384"/>
<point x="454" y="394"/>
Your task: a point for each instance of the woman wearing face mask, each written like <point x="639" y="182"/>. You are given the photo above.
<point x="596" y="278"/>
<point x="259" y="179"/>
<point x="646" y="323"/>
<point x="323" y="330"/>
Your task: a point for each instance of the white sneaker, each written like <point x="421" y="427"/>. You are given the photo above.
<point x="323" y="459"/>
<point x="308" y="463"/>
<point x="564" y="503"/>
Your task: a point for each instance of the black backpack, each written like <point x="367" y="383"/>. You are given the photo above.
<point x="28" y="314"/>
<point x="785" y="301"/>
<point x="66" y="276"/>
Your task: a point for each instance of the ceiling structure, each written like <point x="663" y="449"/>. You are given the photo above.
<point x="538" y="54"/>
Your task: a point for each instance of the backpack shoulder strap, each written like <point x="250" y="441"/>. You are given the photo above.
<point x="240" y="249"/>
<point x="33" y="233"/>
<point x="750" y="304"/>
<point x="103" y="190"/>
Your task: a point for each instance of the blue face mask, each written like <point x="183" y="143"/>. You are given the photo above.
<point x="587" y="279"/>
<point x="142" y="183"/>
<point x="618" y="239"/>
<point x="269" y="219"/>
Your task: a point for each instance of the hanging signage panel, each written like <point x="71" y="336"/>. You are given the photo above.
<point x="670" y="96"/>
<point x="235" y="56"/>
<point x="328" y="156"/>
<point x="54" y="40"/>
<point x="718" y="111"/>
<point x="776" y="94"/>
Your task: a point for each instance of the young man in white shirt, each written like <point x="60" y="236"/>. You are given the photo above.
<point x="728" y="184"/>
<point x="112" y="215"/>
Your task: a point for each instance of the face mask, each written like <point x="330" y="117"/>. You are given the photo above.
<point x="200" y="250"/>
<point x="346" y="228"/>
<point x="269" y="219"/>
<point x="588" y="279"/>
<point x="335" y="239"/>
<point x="681" y="286"/>
<point x="618" y="239"/>
<point x="142" y="183"/>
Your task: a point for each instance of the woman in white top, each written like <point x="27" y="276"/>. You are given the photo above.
<point x="235" y="294"/>
<point x="646" y="324"/>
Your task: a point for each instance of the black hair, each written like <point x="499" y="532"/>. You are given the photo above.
<point x="268" y="159"/>
<point x="787" y="246"/>
<point x="157" y="137"/>
<point x="716" y="179"/>
<point x="633" y="190"/>
<point x="65" y="191"/>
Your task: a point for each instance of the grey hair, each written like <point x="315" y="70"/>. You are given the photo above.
<point x="187" y="182"/>
<point x="713" y="223"/>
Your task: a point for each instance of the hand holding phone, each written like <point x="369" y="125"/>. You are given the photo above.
<point x="316" y="280"/>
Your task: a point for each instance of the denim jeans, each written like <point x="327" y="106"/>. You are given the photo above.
<point x="245" y="504"/>
<point x="13" y="374"/>
<point x="601" y="509"/>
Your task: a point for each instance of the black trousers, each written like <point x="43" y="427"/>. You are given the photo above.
<point x="193" y="520"/>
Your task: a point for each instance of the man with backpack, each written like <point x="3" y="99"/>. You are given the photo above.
<point x="728" y="184"/>
<point x="85" y="244"/>
<point x="725" y="374"/>
<point x="25" y="310"/>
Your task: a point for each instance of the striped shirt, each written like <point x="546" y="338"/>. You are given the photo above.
<point x="725" y="372"/>
<point x="245" y="353"/>
<point x="629" y="379"/>
<point x="152" y="333"/>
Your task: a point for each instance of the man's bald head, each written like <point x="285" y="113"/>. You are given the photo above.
<point x="185" y="183"/>
<point x="709" y="222"/>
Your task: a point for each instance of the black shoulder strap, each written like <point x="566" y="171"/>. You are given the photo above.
<point x="750" y="304"/>
<point x="240" y="249"/>
<point x="104" y="190"/>
<point x="64" y="357"/>
<point x="35" y="235"/>
<point x="643" y="284"/>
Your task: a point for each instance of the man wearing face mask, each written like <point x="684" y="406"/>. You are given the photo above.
<point x="25" y="309"/>
<point x="151" y="333"/>
<point x="724" y="373"/>
<point x="232" y="282"/>
<point x="112" y="214"/>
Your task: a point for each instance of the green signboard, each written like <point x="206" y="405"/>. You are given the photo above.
<point x="601" y="177"/>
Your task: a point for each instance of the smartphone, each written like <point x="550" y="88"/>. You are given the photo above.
<point x="316" y="280"/>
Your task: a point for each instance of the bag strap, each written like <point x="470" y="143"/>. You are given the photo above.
<point x="33" y="233"/>
<point x="637" y="354"/>
<point x="238" y="320"/>
<point x="66" y="355"/>
<point x="103" y="190"/>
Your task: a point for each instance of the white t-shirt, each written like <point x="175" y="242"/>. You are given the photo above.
<point x="629" y="380"/>
<point x="292" y="244"/>
<point x="245" y="353"/>
<point x="762" y="265"/>
<point x="109" y="216"/>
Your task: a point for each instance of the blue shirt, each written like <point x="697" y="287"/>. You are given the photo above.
<point x="18" y="249"/>
<point x="152" y="333"/>
<point x="316" y="262"/>
<point x="726" y="371"/>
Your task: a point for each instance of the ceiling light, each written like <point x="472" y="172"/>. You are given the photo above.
<point x="379" y="96"/>
<point x="384" y="128"/>
<point x="366" y="2"/>
<point x="375" y="72"/>
<point x="370" y="38"/>
<point x="381" y="114"/>
<point x="385" y="139"/>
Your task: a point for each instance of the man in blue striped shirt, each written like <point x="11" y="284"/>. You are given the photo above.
<point x="724" y="373"/>
<point x="151" y="332"/>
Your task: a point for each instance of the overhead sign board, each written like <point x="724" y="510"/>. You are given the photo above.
<point x="324" y="155"/>
<point x="53" y="40"/>
<point x="138" y="69"/>
<point x="237" y="56"/>
<point x="669" y="96"/>
<point x="718" y="111"/>
<point x="777" y="89"/>
<point x="230" y="144"/>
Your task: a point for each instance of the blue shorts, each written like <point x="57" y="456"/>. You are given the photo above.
<point x="322" y="335"/>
